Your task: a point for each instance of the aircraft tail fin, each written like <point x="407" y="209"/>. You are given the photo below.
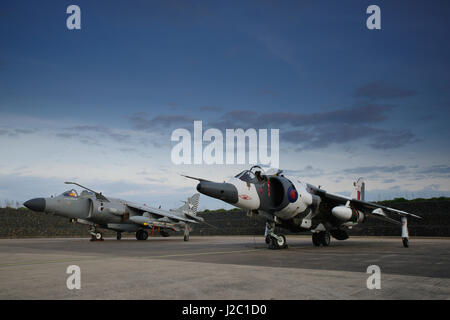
<point x="191" y="204"/>
<point x="359" y="190"/>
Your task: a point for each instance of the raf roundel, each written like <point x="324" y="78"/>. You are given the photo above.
<point x="292" y="194"/>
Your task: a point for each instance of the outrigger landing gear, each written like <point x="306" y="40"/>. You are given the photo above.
<point x="321" y="238"/>
<point x="405" y="234"/>
<point x="405" y="242"/>
<point x="187" y="229"/>
<point x="95" y="234"/>
<point x="273" y="240"/>
<point x="141" y="235"/>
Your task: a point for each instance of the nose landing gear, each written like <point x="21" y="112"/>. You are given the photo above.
<point x="273" y="240"/>
<point x="95" y="234"/>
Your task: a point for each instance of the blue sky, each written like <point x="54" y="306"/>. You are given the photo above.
<point x="99" y="104"/>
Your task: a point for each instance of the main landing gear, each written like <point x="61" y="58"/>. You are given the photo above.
<point x="95" y="234"/>
<point x="273" y="240"/>
<point x="141" y="235"/>
<point x="119" y="235"/>
<point x="321" y="238"/>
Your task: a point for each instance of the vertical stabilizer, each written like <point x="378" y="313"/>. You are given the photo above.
<point x="359" y="190"/>
<point x="191" y="205"/>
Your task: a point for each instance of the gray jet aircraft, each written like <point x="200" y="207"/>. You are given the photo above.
<point x="297" y="206"/>
<point x="94" y="209"/>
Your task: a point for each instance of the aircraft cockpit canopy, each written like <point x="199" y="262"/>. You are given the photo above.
<point x="71" y="193"/>
<point x="246" y="176"/>
<point x="86" y="193"/>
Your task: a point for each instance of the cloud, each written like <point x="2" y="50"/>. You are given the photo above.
<point x="308" y="171"/>
<point x="66" y="135"/>
<point x="210" y="109"/>
<point x="304" y="130"/>
<point x="324" y="136"/>
<point x="436" y="171"/>
<point x="369" y="113"/>
<point x="104" y="131"/>
<point x="375" y="169"/>
<point x="93" y="135"/>
<point x="380" y="90"/>
<point x="16" y="132"/>
<point x="397" y="191"/>
<point x="141" y="121"/>
<point x="393" y="140"/>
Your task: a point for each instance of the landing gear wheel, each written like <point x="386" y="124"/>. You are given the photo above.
<point x="186" y="238"/>
<point x="405" y="242"/>
<point x="164" y="233"/>
<point x="267" y="239"/>
<point x="119" y="235"/>
<point x="315" y="239"/>
<point x="279" y="243"/>
<point x="141" y="235"/>
<point x="273" y="244"/>
<point x="95" y="234"/>
<point x="324" y="238"/>
<point x="282" y="243"/>
<point x="98" y="236"/>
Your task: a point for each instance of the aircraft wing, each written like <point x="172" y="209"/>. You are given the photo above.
<point x="158" y="212"/>
<point x="371" y="209"/>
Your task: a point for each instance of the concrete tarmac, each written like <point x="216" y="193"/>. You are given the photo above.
<point x="224" y="267"/>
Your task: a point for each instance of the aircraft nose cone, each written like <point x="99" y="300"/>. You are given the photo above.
<point x="36" y="204"/>
<point x="223" y="191"/>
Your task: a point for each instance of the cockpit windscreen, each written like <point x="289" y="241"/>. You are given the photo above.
<point x="246" y="176"/>
<point x="71" y="194"/>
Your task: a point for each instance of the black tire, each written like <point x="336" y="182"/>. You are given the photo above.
<point x="325" y="238"/>
<point x="315" y="239"/>
<point x="405" y="242"/>
<point x="282" y="243"/>
<point x="119" y="236"/>
<point x="164" y="234"/>
<point x="273" y="245"/>
<point x="139" y="235"/>
<point x="267" y="239"/>
<point x="144" y="235"/>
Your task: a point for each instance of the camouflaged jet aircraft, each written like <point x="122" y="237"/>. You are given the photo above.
<point x="94" y="209"/>
<point x="297" y="206"/>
